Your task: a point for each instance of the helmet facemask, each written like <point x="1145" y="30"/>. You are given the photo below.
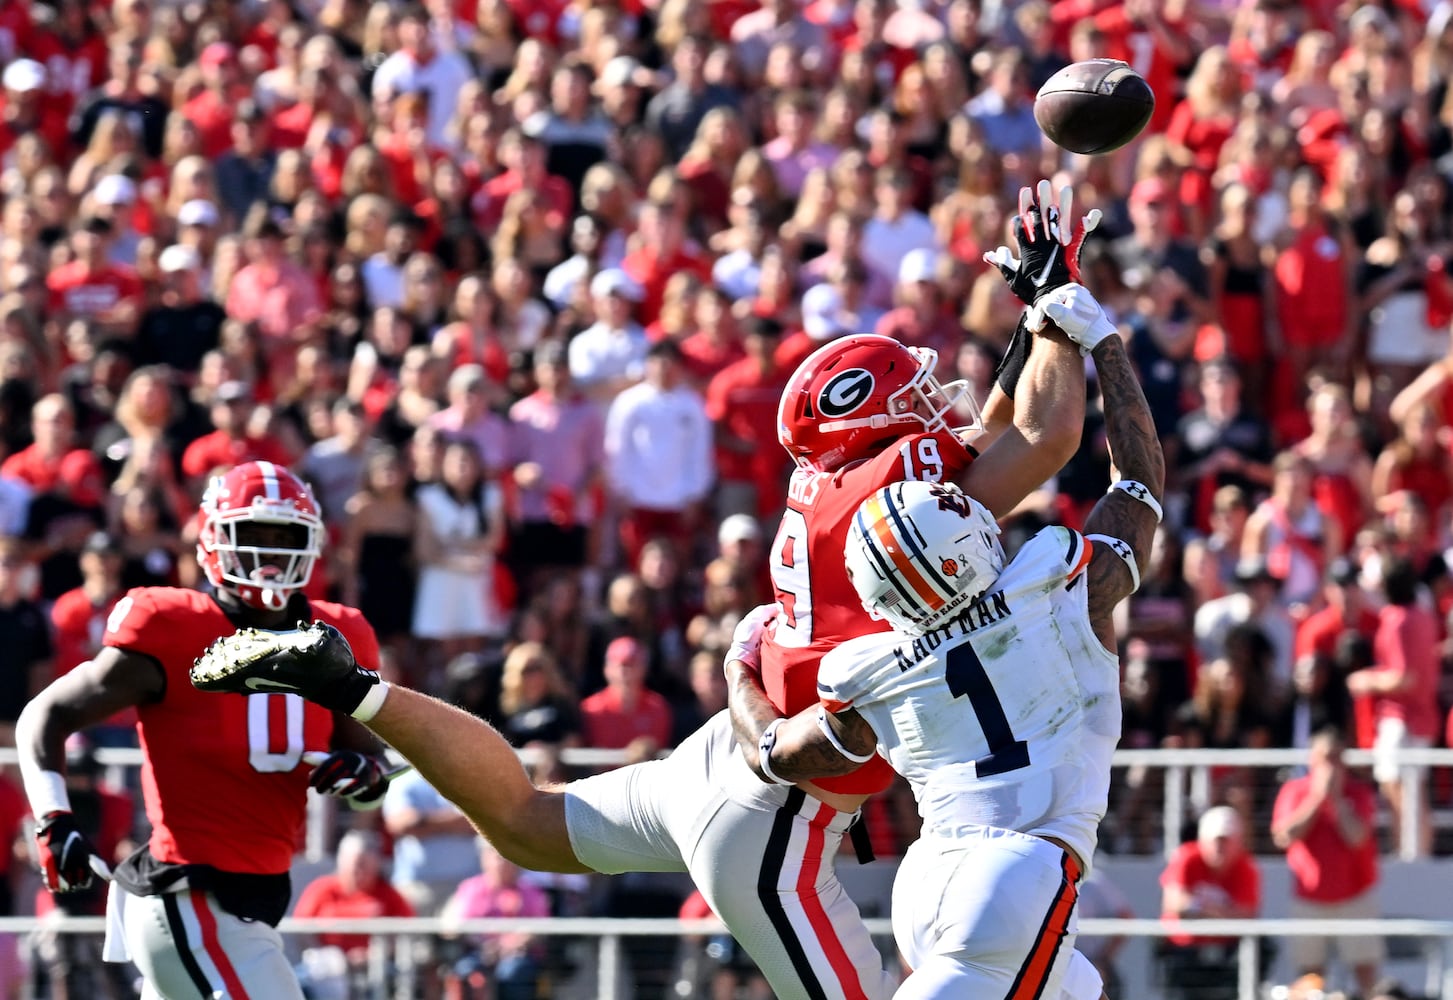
<point x="269" y="548"/>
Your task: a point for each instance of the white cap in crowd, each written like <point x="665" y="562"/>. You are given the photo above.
<point x="115" y="189"/>
<point x="23" y="76"/>
<point x="197" y="212"/>
<point x="823" y="315"/>
<point x="179" y="258"/>
<point x="614" y="281"/>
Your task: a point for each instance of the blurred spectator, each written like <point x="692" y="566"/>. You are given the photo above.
<point x="334" y="466"/>
<point x="434" y="845"/>
<point x="233" y="442"/>
<point x="469" y="416"/>
<point x="677" y="111"/>
<point x="510" y="961"/>
<point x="1403" y="688"/>
<point x="1220" y="444"/>
<point x="1254" y="603"/>
<point x="380" y="525"/>
<point x="741" y="402"/>
<point x="24" y="635"/>
<point x="272" y="291"/>
<point x="659" y="424"/>
<point x="79" y="616"/>
<point x="460" y="531"/>
<point x="536" y="703"/>
<point x="354" y="889"/>
<point x="90" y="286"/>
<point x="626" y="711"/>
<point x="1290" y="533"/>
<point x="1325" y="820"/>
<point x="1004" y="109"/>
<point x="660" y="249"/>
<point x="610" y="354"/>
<point x="184" y="324"/>
<point x="1211" y="877"/>
<point x="427" y="63"/>
<point x="1313" y="274"/>
<point x="896" y="229"/>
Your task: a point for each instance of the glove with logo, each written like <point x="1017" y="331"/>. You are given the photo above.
<point x="313" y="660"/>
<point x="351" y="775"/>
<point x="65" y="853"/>
<point x="1049" y="250"/>
<point x="747" y="638"/>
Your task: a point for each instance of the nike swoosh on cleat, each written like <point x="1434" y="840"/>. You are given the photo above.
<point x="264" y="684"/>
<point x="1044" y="274"/>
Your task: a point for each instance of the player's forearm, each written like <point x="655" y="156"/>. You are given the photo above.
<point x="803" y="753"/>
<point x="1049" y="400"/>
<point x="751" y="710"/>
<point x="1134" y="446"/>
<point x="471" y="765"/>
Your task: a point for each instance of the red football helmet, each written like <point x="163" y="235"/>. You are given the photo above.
<point x="855" y="394"/>
<point x="260" y="534"/>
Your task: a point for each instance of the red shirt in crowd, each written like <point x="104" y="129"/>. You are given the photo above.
<point x="30" y="466"/>
<point x="704" y="357"/>
<point x="221" y="450"/>
<point x="489" y="202"/>
<point x="605" y="722"/>
<point x="212" y="114"/>
<point x="743" y="400"/>
<point x="1325" y="868"/>
<point x="1407" y="643"/>
<point x="1239" y="882"/>
<point x="1311" y="289"/>
<point x="325" y="897"/>
<point x="652" y="272"/>
<point x="78" y="291"/>
<point x="1318" y="633"/>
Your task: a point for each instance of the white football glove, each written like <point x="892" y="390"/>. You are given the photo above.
<point x="1074" y="310"/>
<point x="747" y="637"/>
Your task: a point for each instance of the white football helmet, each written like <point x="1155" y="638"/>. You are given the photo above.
<point x="919" y="552"/>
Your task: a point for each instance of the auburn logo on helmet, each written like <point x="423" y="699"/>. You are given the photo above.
<point x="952" y="499"/>
<point x="845" y="392"/>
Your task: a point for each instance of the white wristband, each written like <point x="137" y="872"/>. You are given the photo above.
<point x="832" y="737"/>
<point x="1122" y="549"/>
<point x="1139" y="491"/>
<point x="372" y="702"/>
<point x="46" y="791"/>
<point x="765" y="744"/>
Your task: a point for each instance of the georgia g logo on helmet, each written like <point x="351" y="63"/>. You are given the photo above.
<point x="845" y="392"/>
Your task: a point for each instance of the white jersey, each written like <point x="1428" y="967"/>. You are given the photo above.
<point x="1006" y="717"/>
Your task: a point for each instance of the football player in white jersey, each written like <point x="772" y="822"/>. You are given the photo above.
<point x="996" y="695"/>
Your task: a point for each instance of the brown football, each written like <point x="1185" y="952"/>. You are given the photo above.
<point x="1094" y="106"/>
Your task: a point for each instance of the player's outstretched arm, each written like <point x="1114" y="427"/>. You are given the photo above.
<point x="462" y="756"/>
<point x="1042" y="379"/>
<point x="1122" y="525"/>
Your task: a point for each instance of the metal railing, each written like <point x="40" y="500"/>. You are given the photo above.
<point x="1437" y="936"/>
<point x="1186" y="780"/>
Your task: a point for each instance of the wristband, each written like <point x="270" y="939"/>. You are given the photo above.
<point x="765" y="743"/>
<point x="46" y="791"/>
<point x="1123" y="550"/>
<point x="372" y="702"/>
<point x="832" y="737"/>
<point x="1139" y="491"/>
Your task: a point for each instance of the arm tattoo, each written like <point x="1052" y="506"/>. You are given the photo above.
<point x="1136" y="453"/>
<point x="751" y="711"/>
<point x="804" y="752"/>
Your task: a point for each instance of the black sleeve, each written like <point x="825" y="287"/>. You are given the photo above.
<point x="1016" y="355"/>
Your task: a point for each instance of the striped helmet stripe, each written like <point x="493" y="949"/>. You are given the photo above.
<point x="908" y="570"/>
<point x="269" y="480"/>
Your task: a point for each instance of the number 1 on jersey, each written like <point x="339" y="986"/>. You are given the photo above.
<point x="967" y="677"/>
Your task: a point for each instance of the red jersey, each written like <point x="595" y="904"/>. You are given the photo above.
<point x="325" y="897"/>
<point x="1324" y="867"/>
<point x="222" y="774"/>
<point x="820" y="608"/>
<point x="89" y="294"/>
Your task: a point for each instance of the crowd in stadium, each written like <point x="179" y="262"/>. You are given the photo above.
<point x="516" y="285"/>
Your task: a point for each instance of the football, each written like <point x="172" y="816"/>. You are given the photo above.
<point x="1094" y="106"/>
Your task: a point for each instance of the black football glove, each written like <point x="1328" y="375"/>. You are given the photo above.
<point x="1049" y="250"/>
<point x="313" y="660"/>
<point x="65" y="854"/>
<point x="353" y="776"/>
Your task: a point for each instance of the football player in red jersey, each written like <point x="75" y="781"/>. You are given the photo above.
<point x="225" y="779"/>
<point x="864" y="411"/>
